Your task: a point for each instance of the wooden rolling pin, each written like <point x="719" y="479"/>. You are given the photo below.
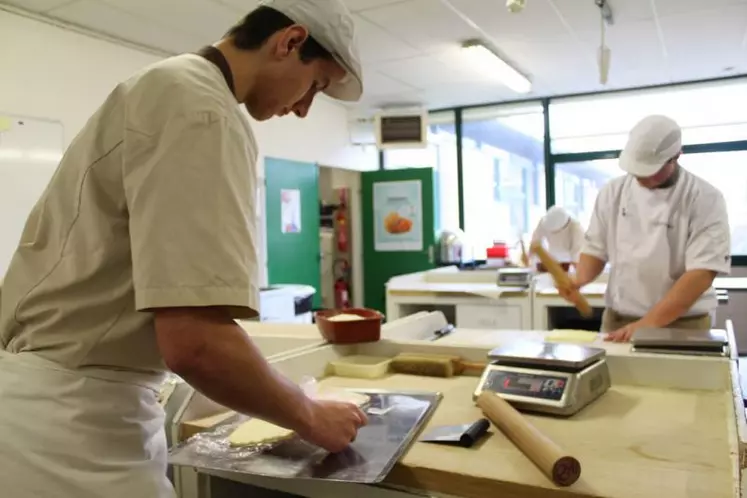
<point x="524" y="255"/>
<point x="562" y="469"/>
<point x="561" y="277"/>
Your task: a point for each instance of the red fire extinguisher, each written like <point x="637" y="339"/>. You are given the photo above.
<point x="342" y="296"/>
<point x="342" y="223"/>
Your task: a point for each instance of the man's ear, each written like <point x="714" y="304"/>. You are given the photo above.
<point x="291" y="39"/>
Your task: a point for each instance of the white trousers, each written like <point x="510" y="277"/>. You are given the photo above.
<point x="68" y="434"/>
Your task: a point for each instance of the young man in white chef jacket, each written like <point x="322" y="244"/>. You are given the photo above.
<point x="141" y="253"/>
<point x="666" y="234"/>
<point x="563" y="234"/>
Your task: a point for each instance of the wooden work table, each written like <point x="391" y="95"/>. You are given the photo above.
<point x="670" y="426"/>
<point x="632" y="442"/>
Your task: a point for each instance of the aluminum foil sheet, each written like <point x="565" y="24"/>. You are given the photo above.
<point x="395" y="419"/>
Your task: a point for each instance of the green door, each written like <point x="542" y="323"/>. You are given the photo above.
<point x="398" y="228"/>
<point x="292" y="207"/>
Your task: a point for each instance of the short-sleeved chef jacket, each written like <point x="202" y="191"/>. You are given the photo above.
<point x="152" y="206"/>
<point x="695" y="217"/>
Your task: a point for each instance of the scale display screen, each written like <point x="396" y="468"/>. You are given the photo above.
<point x="526" y="384"/>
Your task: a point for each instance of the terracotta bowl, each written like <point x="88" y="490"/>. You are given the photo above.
<point x="352" y="332"/>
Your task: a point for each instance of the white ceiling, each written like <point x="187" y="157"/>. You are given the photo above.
<point x="410" y="48"/>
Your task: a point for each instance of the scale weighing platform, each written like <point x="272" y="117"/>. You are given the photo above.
<point x="559" y="379"/>
<point x="515" y="277"/>
<point x="712" y="342"/>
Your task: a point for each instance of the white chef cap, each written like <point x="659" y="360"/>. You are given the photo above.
<point x="555" y="219"/>
<point x="330" y="23"/>
<point x="651" y="143"/>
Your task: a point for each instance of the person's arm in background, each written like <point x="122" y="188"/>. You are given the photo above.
<point x="594" y="252"/>
<point x="707" y="254"/>
<point x="195" y="267"/>
<point x="538" y="237"/>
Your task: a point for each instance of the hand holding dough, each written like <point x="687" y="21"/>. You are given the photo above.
<point x="256" y="432"/>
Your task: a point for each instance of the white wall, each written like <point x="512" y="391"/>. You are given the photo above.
<point x="53" y="73"/>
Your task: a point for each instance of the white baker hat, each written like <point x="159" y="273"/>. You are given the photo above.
<point x="652" y="142"/>
<point x="330" y="23"/>
<point x="555" y="219"/>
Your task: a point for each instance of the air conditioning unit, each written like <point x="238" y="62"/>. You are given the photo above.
<point x="401" y="129"/>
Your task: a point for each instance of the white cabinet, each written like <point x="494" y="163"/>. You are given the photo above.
<point x="497" y="315"/>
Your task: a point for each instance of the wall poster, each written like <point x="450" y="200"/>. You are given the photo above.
<point x="290" y="210"/>
<point x="398" y="216"/>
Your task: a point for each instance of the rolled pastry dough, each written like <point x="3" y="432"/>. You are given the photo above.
<point x="342" y="395"/>
<point x="255" y="432"/>
<point x="570" y="335"/>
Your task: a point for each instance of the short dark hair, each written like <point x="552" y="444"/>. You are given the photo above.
<point x="263" y="22"/>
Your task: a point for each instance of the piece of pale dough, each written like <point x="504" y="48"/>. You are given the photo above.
<point x="336" y="394"/>
<point x="255" y="432"/>
<point x="570" y="335"/>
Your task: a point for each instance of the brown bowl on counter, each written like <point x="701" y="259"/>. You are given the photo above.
<point x="367" y="329"/>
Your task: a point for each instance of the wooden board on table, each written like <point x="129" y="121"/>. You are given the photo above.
<point x="632" y="442"/>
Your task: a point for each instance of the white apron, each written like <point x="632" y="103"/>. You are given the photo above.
<point x="72" y="434"/>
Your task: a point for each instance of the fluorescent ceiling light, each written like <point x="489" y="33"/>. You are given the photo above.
<point x="490" y="63"/>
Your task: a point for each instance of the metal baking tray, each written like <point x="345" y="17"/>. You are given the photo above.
<point x="394" y="420"/>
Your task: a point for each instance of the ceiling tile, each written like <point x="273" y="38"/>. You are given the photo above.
<point x="548" y="58"/>
<point x="425" y="24"/>
<point x="669" y="7"/>
<point x="428" y="70"/>
<point x="537" y="22"/>
<point x="634" y="46"/>
<point x="585" y="15"/>
<point x="377" y="45"/>
<point x="376" y="83"/>
<point x="717" y="46"/>
<point x="359" y="5"/>
<point x="106" y="19"/>
<point x="200" y="17"/>
<point x="36" y="5"/>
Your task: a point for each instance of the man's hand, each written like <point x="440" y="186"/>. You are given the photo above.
<point x="333" y="425"/>
<point x="570" y="292"/>
<point x="624" y="334"/>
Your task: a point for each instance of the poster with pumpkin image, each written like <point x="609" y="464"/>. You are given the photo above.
<point x="398" y="216"/>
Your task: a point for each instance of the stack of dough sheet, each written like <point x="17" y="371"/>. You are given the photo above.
<point x="571" y="335"/>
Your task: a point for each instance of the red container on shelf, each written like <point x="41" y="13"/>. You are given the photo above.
<point x="498" y="251"/>
<point x="350" y="332"/>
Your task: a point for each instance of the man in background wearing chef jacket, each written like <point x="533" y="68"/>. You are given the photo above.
<point x="142" y="252"/>
<point x="665" y="233"/>
<point x="563" y="233"/>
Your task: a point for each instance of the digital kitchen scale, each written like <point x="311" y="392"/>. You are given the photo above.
<point x="712" y="342"/>
<point x="515" y="277"/>
<point x="553" y="378"/>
